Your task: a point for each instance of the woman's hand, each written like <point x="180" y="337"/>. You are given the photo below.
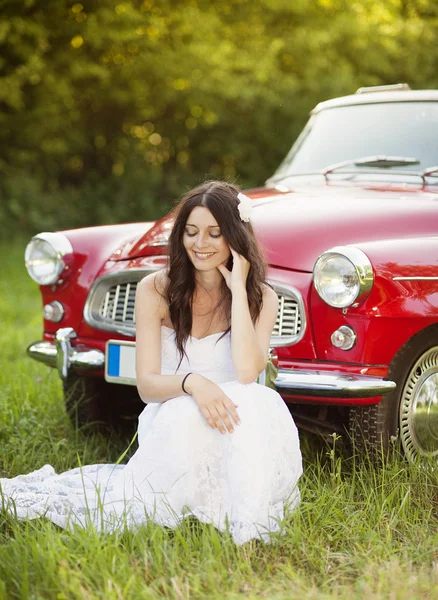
<point x="213" y="403"/>
<point x="239" y="273"/>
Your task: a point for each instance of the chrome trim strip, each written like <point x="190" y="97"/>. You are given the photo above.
<point x="392" y="87"/>
<point x="125" y="304"/>
<point x="116" y="299"/>
<point x="334" y="384"/>
<point x="291" y="292"/>
<point x="415" y="278"/>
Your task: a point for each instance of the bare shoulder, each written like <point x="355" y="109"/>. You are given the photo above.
<point x="154" y="283"/>
<point x="151" y="290"/>
<point x="270" y="297"/>
<point x="269" y="311"/>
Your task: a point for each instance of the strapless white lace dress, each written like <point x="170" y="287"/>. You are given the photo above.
<point x="240" y="481"/>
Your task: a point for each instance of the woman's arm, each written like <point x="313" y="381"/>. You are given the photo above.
<point x="149" y="312"/>
<point x="249" y="342"/>
<point x="150" y="309"/>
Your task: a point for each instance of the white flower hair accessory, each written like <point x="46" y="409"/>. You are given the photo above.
<point x="244" y="207"/>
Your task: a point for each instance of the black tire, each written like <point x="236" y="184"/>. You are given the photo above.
<point x="91" y="401"/>
<point x="397" y="418"/>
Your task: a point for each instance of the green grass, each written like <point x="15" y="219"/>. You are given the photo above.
<point x="360" y="532"/>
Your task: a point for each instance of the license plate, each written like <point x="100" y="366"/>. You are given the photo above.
<point x="120" y="362"/>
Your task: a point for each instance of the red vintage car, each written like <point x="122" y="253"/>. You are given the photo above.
<point x="350" y="226"/>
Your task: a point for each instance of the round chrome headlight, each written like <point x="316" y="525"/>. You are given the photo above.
<point x="343" y="276"/>
<point x="44" y="257"/>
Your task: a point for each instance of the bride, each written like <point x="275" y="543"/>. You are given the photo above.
<point x="212" y="443"/>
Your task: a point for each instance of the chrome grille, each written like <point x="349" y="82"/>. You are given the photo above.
<point x="291" y="318"/>
<point x="111" y="302"/>
<point x="118" y="304"/>
<point x="288" y="317"/>
<point x="111" y="306"/>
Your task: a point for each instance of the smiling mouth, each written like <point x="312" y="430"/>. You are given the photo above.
<point x="204" y="255"/>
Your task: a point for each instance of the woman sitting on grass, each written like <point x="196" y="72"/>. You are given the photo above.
<point x="213" y="444"/>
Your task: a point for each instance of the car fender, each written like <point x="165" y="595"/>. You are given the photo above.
<point x="92" y="247"/>
<point x="402" y="302"/>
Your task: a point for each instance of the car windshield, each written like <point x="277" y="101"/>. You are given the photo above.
<point x="404" y="129"/>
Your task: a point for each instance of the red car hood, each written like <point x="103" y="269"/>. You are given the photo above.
<point x="296" y="227"/>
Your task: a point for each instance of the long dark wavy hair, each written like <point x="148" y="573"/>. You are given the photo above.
<point x="220" y="198"/>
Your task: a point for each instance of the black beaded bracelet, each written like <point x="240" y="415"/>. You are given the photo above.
<point x="183" y="382"/>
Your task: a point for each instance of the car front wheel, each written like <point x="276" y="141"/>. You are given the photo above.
<point x="410" y="413"/>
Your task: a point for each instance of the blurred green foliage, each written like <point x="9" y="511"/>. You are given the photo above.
<point x="110" y="109"/>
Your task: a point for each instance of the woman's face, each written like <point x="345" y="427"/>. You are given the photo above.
<point x="203" y="240"/>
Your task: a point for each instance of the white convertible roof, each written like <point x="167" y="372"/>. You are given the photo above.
<point x="368" y="96"/>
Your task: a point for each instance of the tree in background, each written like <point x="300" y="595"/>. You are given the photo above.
<point x="110" y="109"/>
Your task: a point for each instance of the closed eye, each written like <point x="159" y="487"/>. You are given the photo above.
<point x="213" y="235"/>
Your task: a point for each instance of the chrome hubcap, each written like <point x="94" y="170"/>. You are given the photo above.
<point x="419" y="408"/>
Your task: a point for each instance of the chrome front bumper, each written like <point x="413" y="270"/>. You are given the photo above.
<point x="64" y="356"/>
<point x="331" y="384"/>
<point x="289" y="382"/>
